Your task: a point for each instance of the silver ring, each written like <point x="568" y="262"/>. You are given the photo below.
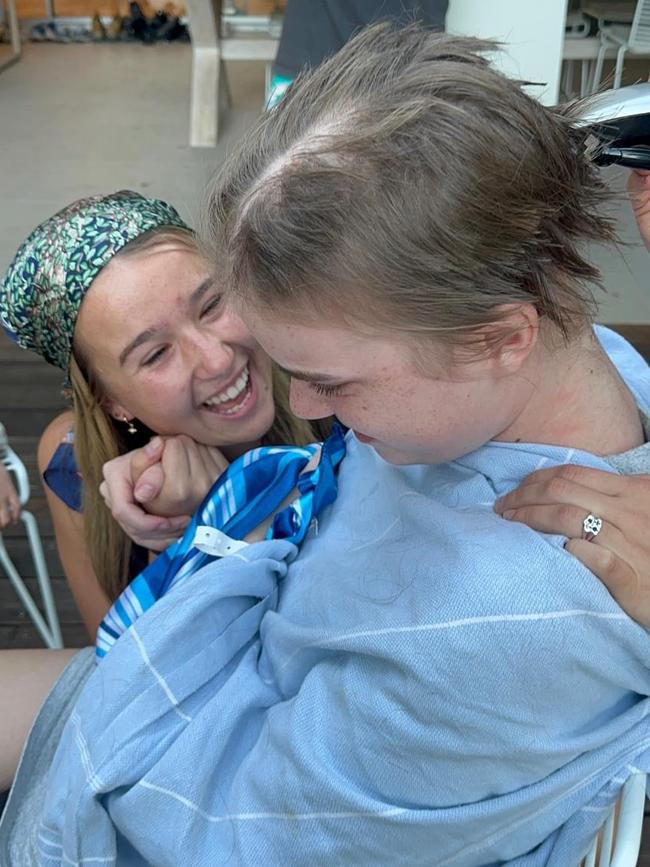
<point x="591" y="527"/>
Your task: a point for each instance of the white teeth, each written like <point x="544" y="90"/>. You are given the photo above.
<point x="230" y="393"/>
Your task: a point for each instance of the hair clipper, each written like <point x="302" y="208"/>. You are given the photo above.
<point x="620" y="122"/>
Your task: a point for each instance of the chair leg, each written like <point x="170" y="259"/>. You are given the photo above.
<point x="25" y="597"/>
<point x="620" y="56"/>
<point x="586" y="77"/>
<point x="43" y="577"/>
<point x="598" y="71"/>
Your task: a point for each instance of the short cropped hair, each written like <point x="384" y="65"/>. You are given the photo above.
<point x="408" y="185"/>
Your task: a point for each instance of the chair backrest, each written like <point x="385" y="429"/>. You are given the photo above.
<point x="12" y="462"/>
<point x="639" y="39"/>
<point x="619" y="839"/>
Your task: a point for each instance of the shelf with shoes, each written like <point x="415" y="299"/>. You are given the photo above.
<point x="136" y="22"/>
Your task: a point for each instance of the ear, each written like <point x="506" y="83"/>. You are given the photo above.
<point x="116" y="410"/>
<point x="502" y="347"/>
<point x="519" y="334"/>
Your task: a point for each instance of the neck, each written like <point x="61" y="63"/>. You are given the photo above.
<point x="235" y="451"/>
<point x="575" y="393"/>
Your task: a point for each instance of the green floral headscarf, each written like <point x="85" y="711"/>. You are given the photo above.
<point x="53" y="269"/>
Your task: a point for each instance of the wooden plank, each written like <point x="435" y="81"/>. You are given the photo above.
<point x="10" y="351"/>
<point x="24" y="635"/>
<point x="21" y="422"/>
<point x="21" y="557"/>
<point x="14" y="612"/>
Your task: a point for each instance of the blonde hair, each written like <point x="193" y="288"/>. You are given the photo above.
<point x="406" y="185"/>
<point x="100" y="438"/>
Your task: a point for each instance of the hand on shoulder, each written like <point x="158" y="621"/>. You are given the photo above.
<point x="558" y="500"/>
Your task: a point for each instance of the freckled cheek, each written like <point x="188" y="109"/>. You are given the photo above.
<point x="166" y="395"/>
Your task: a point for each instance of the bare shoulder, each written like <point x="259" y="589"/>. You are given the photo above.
<point x="53" y="434"/>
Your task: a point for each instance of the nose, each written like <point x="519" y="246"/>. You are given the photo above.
<point x="211" y="357"/>
<point x="306" y="403"/>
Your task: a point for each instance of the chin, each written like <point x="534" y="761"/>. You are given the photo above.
<point x="404" y="456"/>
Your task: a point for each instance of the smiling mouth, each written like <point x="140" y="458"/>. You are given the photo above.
<point x="233" y="399"/>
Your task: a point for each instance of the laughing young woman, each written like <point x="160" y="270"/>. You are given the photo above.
<point x="113" y="290"/>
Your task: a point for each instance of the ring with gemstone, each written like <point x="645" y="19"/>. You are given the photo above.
<point x="591" y="527"/>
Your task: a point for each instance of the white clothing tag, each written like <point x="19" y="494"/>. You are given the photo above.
<point x="209" y="540"/>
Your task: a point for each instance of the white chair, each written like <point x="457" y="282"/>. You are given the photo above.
<point x="633" y="40"/>
<point x="618" y="841"/>
<point x="47" y="626"/>
<point x="14" y="33"/>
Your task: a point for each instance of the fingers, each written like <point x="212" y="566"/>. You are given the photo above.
<point x="190" y="470"/>
<point x="617" y="575"/>
<point x="602" y="481"/>
<point x="9" y="511"/>
<point x="150" y="484"/>
<point x="558" y="505"/>
<point x="181" y="457"/>
<point x="150" y="531"/>
<point x="564" y="521"/>
<point x="612" y="571"/>
<point x="142" y="459"/>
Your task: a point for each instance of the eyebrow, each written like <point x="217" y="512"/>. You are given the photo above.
<point x="308" y="376"/>
<point x="150" y="333"/>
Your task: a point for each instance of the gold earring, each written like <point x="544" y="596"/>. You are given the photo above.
<point x="131" y="427"/>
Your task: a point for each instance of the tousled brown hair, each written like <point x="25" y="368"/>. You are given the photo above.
<point x="99" y="438"/>
<point x="408" y="185"/>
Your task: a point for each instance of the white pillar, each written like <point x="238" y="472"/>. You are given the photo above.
<point x="532" y="32"/>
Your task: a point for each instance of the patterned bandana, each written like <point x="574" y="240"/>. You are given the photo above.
<point x="53" y="269"/>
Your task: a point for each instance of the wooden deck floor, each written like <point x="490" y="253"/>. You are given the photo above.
<point x="30" y="395"/>
<point x="29" y="398"/>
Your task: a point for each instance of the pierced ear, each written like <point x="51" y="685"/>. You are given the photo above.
<point x="116" y="410"/>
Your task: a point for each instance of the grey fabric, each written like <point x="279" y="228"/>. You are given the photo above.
<point x="19" y="822"/>
<point x="636" y="460"/>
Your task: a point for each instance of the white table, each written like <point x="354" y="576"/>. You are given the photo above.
<point x="209" y="50"/>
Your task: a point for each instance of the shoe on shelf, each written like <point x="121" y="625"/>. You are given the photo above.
<point x="97" y="29"/>
<point x="114" y="29"/>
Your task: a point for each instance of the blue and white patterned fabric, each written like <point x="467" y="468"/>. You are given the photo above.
<point x="241" y="499"/>
<point x="425" y="684"/>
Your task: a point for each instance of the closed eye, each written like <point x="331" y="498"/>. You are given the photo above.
<point x="325" y="390"/>
<point x="154" y="357"/>
<point x="211" y="306"/>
